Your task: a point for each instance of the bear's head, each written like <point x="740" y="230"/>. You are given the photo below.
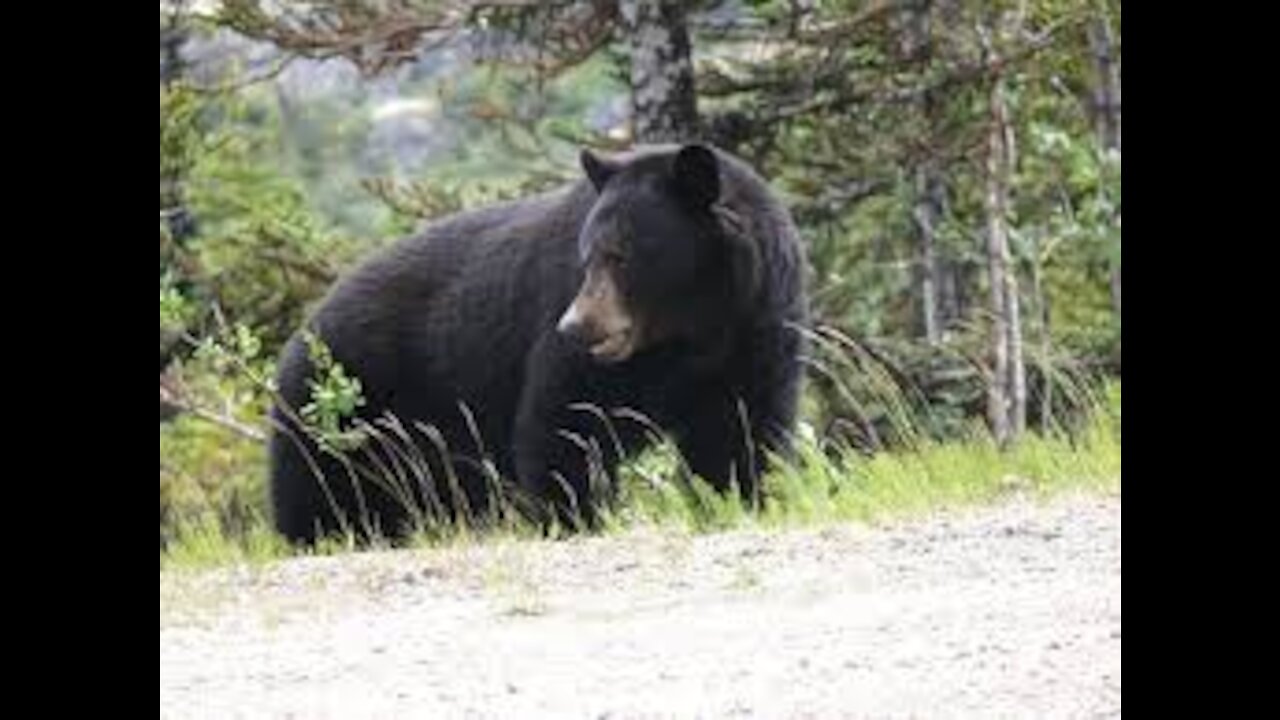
<point x="664" y="257"/>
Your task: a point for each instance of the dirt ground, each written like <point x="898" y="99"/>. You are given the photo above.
<point x="1004" y="611"/>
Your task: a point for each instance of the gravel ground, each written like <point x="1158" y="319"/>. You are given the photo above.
<point x="1004" y="611"/>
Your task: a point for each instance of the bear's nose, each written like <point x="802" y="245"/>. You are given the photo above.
<point x="572" y="324"/>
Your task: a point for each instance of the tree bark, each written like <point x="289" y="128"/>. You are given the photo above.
<point x="663" y="103"/>
<point x="1106" y="104"/>
<point x="917" y="52"/>
<point x="173" y="211"/>
<point x="1007" y="392"/>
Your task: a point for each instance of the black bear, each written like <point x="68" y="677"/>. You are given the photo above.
<point x="551" y="335"/>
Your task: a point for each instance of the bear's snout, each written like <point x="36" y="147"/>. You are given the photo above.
<point x="572" y="324"/>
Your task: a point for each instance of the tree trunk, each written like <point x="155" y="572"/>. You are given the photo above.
<point x="937" y="277"/>
<point x="1046" y="346"/>
<point x="925" y="214"/>
<point x="997" y="268"/>
<point x="1017" y="358"/>
<point x="1106" y="96"/>
<point x="1106" y="104"/>
<point x="174" y="213"/>
<point x="917" y="52"/>
<point x="1115" y="290"/>
<point x="663" y="104"/>
<point x="1007" y="393"/>
<point x="173" y="35"/>
<point x="953" y="284"/>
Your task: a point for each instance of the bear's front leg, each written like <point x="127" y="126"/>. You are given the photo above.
<point x="718" y="443"/>
<point x="561" y="458"/>
<point x="727" y="437"/>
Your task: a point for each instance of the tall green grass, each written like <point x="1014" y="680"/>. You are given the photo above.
<point x="824" y="484"/>
<point x="827" y="478"/>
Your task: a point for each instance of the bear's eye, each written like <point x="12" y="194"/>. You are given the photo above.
<point x="615" y="259"/>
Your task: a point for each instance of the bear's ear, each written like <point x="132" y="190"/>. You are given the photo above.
<point x="597" y="168"/>
<point x="697" y="174"/>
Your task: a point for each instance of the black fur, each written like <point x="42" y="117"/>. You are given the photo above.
<point x="466" y="313"/>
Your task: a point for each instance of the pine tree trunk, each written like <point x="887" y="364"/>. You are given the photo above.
<point x="664" y="108"/>
<point x="174" y="213"/>
<point x="997" y="268"/>
<point x="1007" y="393"/>
<point x="1046" y="362"/>
<point x="1106" y="105"/>
<point x="925" y="214"/>
<point x="917" y="51"/>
